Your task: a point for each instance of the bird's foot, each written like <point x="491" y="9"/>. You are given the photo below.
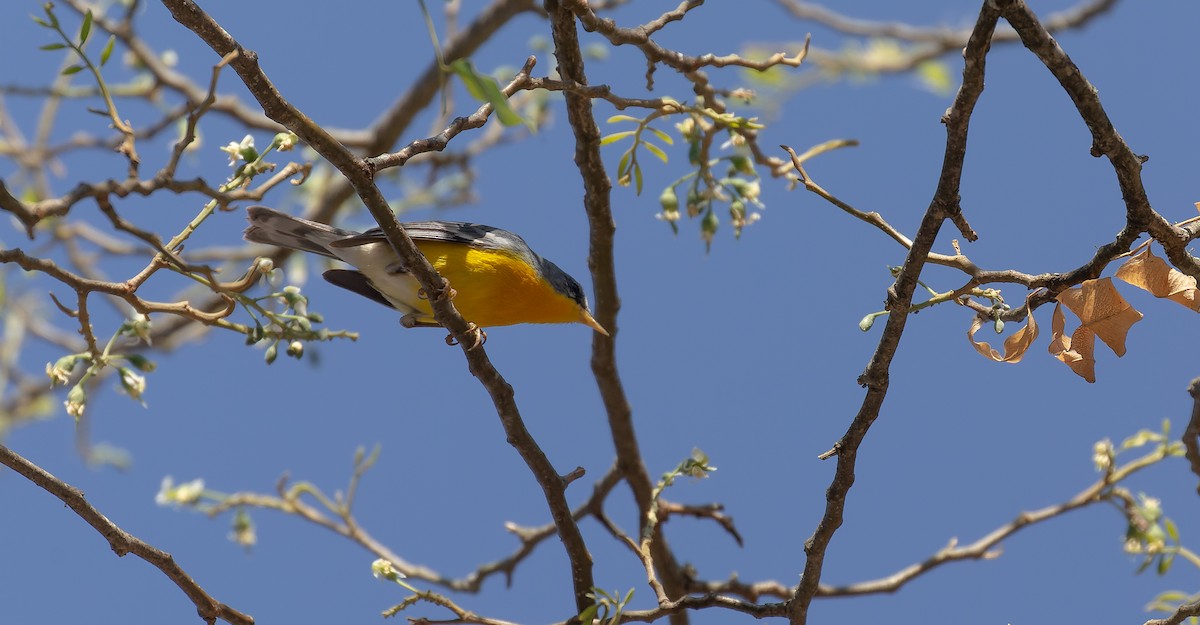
<point x="447" y="292"/>
<point x="478" y="337"/>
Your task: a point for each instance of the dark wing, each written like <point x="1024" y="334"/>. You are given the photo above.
<point x="476" y="235"/>
<point x="355" y="281"/>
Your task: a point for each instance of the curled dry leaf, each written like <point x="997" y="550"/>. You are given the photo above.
<point x="1149" y="272"/>
<point x="1076" y="351"/>
<point x="1014" y="346"/>
<point x="1102" y="310"/>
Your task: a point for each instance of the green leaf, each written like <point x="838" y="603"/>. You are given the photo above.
<point x="1172" y="531"/>
<point x="471" y="78"/>
<point x="485" y="89"/>
<point x="936" y="76"/>
<point x="588" y="614"/>
<point x="437" y="48"/>
<point x="637" y="178"/>
<point x="622" y="118"/>
<point x="1145" y="565"/>
<point x="40" y="22"/>
<point x="1164" y="563"/>
<point x="52" y="46"/>
<point x="49" y="8"/>
<point x="85" y="29"/>
<point x="623" y="164"/>
<point x="655" y="150"/>
<point x="108" y="49"/>
<point x="74" y="69"/>
<point x="1172" y="596"/>
<point x="666" y="138"/>
<point x="616" y="136"/>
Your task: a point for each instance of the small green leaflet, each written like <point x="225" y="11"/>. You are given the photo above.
<point x="485" y="89"/>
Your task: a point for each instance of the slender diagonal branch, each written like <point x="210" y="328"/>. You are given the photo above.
<point x="900" y="295"/>
<point x="123" y="542"/>
<point x="986" y="547"/>
<point x="360" y="176"/>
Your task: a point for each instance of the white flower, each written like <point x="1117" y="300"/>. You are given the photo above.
<point x="1151" y="506"/>
<point x="243" y="530"/>
<point x="164" y="490"/>
<point x="190" y="492"/>
<point x="134" y="384"/>
<point x="1102" y="455"/>
<point x="237" y="151"/>
<point x="185" y="494"/>
<point x="60" y="371"/>
<point x="137" y="326"/>
<point x="384" y="569"/>
<point x="286" y="141"/>
<point x="76" y="400"/>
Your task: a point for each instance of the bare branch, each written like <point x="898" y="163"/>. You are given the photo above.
<point x="946" y="37"/>
<point x="930" y="42"/>
<point x="1181" y="614"/>
<point x="714" y="511"/>
<point x="386" y="131"/>
<point x="1191" y="435"/>
<point x="439" y="142"/>
<point x="597" y="204"/>
<point x="986" y="547"/>
<point x="121" y="541"/>
<point x="900" y="295"/>
<point x="358" y="173"/>
<point x="11" y="204"/>
<point x="1140" y="216"/>
<point x="682" y="63"/>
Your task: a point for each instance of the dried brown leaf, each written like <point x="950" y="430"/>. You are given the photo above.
<point x="1015" y="346"/>
<point x="1102" y="310"/>
<point x="1149" y="272"/>
<point x="1076" y="351"/>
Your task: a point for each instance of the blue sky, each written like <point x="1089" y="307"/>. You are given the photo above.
<point x="749" y="352"/>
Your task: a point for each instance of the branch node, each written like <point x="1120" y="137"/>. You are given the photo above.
<point x="577" y="473"/>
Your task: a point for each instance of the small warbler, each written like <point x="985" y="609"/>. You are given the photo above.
<point x="497" y="280"/>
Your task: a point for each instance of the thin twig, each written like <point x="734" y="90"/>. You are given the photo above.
<point x="986" y="547"/>
<point x="438" y="142"/>
<point x="1191" y="435"/>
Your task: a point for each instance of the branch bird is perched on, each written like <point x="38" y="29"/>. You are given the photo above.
<point x="497" y="279"/>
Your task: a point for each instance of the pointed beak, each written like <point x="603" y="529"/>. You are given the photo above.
<point x="586" y="319"/>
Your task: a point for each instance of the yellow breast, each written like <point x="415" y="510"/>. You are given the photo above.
<point x="495" y="288"/>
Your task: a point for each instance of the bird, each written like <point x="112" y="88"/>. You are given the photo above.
<point x="496" y="279"/>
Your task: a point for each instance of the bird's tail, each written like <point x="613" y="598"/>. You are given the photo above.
<point x="282" y="230"/>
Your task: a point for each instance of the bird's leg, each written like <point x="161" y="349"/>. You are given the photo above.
<point x="478" y="336"/>
<point x="411" y="320"/>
